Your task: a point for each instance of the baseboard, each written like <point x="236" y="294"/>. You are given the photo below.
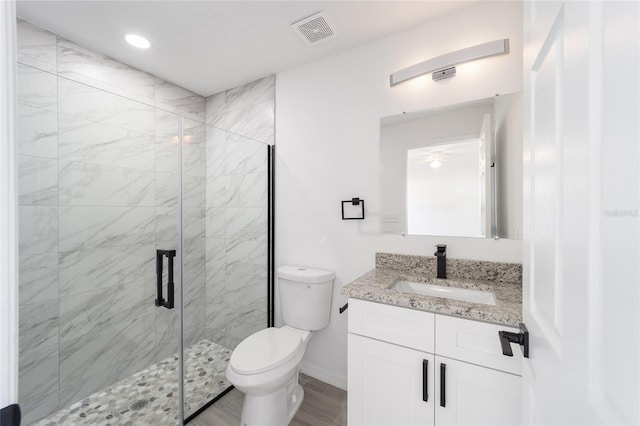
<point x="324" y="375"/>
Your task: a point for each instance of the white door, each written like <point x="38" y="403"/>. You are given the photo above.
<point x="581" y="185"/>
<point x="386" y="384"/>
<point x="486" y="189"/>
<point x="475" y="395"/>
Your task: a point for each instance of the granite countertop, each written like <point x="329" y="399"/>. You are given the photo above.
<point x="376" y="286"/>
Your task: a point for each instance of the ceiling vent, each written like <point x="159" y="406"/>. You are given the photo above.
<point x="314" y="29"/>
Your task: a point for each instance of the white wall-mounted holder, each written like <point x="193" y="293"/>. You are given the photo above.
<point x="444" y="66"/>
<point x="353" y="209"/>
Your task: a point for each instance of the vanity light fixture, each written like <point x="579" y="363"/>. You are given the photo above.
<point x="137" y="41"/>
<point x="443" y="66"/>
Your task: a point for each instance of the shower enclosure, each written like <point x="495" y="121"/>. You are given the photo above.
<point x="145" y="236"/>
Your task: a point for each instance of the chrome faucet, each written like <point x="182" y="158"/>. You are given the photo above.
<point x="441" y="254"/>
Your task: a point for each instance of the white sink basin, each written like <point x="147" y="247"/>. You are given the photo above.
<point x="455" y="293"/>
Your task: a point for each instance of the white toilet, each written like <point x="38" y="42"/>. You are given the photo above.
<point x="265" y="365"/>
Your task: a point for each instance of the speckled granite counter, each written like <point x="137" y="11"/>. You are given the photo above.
<point x="502" y="279"/>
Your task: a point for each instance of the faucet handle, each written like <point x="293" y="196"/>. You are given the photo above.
<point x="441" y="249"/>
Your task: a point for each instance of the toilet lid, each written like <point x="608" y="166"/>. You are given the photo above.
<point x="265" y="350"/>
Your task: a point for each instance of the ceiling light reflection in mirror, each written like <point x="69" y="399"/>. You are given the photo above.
<point x="442" y="199"/>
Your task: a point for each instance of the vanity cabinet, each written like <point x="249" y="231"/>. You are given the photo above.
<point x="476" y="395"/>
<point x="386" y="384"/>
<point x="400" y="360"/>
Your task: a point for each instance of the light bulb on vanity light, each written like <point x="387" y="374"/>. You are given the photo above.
<point x="436" y="164"/>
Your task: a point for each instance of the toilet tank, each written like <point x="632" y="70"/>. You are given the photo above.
<point x="305" y="296"/>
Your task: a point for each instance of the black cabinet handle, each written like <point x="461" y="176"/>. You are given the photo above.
<point x="443" y="384"/>
<point x="160" y="254"/>
<point x="425" y="380"/>
<point x="522" y="338"/>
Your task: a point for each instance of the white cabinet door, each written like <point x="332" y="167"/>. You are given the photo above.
<point x="475" y="395"/>
<point x="385" y="384"/>
<point x="477" y="343"/>
<point x="405" y="327"/>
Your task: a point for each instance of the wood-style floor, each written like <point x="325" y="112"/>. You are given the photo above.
<point x="323" y="404"/>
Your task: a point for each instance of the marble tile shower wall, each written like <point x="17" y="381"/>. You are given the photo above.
<point x="240" y="123"/>
<point x="97" y="184"/>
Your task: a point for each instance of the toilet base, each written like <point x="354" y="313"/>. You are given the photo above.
<point x="273" y="409"/>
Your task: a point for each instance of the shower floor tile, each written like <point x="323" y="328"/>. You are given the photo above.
<point x="150" y="396"/>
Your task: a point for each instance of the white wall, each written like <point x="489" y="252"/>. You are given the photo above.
<point x="327" y="149"/>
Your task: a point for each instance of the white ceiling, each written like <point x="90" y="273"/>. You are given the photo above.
<point x="211" y="46"/>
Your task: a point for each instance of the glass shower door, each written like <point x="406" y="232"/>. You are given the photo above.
<point x="98" y="177"/>
<point x="168" y="266"/>
<point x="226" y="272"/>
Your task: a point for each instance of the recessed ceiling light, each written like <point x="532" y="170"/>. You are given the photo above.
<point x="137" y="41"/>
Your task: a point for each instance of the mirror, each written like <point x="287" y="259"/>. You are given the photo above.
<point x="454" y="171"/>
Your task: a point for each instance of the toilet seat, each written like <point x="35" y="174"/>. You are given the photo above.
<point x="265" y="350"/>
